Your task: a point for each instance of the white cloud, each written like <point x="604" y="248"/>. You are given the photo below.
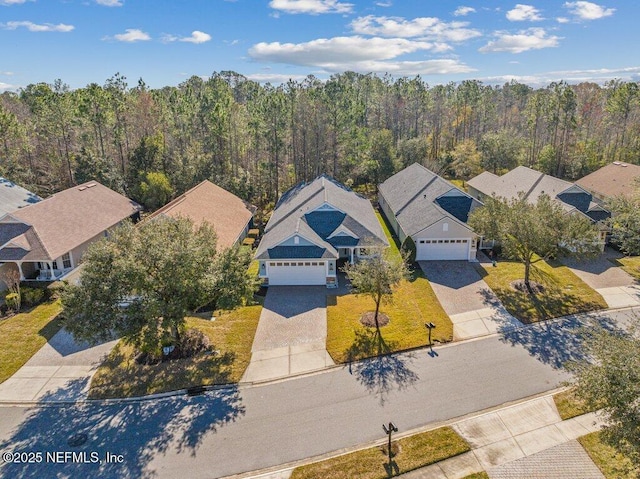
<point x="313" y="7"/>
<point x="12" y="2"/>
<point x="463" y="11"/>
<point x="196" y="37"/>
<point x="132" y="35"/>
<point x="530" y="39"/>
<point x="562" y="20"/>
<point x="275" y="78"/>
<point x="428" y="27"/>
<point x="358" y="54"/>
<point x="599" y="76"/>
<point x="6" y="86"/>
<point x="38" y="27"/>
<point x="388" y="3"/>
<point x="588" y="10"/>
<point x="523" y="13"/>
<point x="110" y="3"/>
<point x="7" y="73"/>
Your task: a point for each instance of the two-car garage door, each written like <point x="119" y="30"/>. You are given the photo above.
<point x="297" y="273"/>
<point x="442" y="249"/>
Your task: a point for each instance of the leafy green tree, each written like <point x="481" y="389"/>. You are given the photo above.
<point x="376" y="277"/>
<point x="532" y="232"/>
<point x="500" y="150"/>
<point x="233" y="286"/>
<point x="155" y="191"/>
<point x="141" y="282"/>
<point x="625" y="223"/>
<point x="409" y="249"/>
<point x="466" y="160"/>
<point x="90" y="167"/>
<point x="610" y="382"/>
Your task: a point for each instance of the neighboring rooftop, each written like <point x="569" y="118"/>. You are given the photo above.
<point x="65" y="220"/>
<point x="419" y="198"/>
<point x="206" y="202"/>
<point x="614" y="179"/>
<point x="299" y="211"/>
<point x="14" y="197"/>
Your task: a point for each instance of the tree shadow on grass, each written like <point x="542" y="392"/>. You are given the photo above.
<point x="382" y="371"/>
<point x="139" y="431"/>
<point x="558" y="342"/>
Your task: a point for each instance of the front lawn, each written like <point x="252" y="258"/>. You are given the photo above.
<point x="569" y="405"/>
<point x="564" y="293"/>
<point x="631" y="264"/>
<point x="231" y="334"/>
<point x="610" y="462"/>
<point x="411" y="453"/>
<point x="22" y="335"/>
<point x="414" y="304"/>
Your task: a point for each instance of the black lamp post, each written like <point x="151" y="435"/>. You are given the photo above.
<point x="389" y="430"/>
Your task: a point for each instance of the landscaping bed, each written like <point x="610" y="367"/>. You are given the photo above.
<point x="563" y="292"/>
<point x="231" y="335"/>
<point x="413" y="452"/>
<point x="30" y="330"/>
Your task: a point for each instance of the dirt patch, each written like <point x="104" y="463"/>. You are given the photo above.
<point x="519" y="285"/>
<point x="369" y="319"/>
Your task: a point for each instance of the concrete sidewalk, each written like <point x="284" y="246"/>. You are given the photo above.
<point x="523" y="441"/>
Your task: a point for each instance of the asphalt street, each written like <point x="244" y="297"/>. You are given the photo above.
<point x="236" y="430"/>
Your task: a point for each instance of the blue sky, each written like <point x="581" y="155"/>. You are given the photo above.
<point x="166" y="42"/>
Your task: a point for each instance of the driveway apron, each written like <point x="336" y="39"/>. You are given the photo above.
<point x="291" y="335"/>
<point x="473" y="308"/>
<point x="60" y="371"/>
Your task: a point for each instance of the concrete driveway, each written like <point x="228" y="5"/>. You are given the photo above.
<point x="617" y="287"/>
<point x="60" y="370"/>
<point x="292" y="334"/>
<point x="473" y="308"/>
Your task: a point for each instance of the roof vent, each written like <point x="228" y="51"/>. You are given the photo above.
<point x="424" y="196"/>
<point x="616" y="162"/>
<point x="91" y="185"/>
<point x="82" y="188"/>
<point x="624" y="165"/>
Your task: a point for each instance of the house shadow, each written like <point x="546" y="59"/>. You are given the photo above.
<point x="382" y="371"/>
<point x="557" y="342"/>
<point x="598" y="265"/>
<point x="138" y="431"/>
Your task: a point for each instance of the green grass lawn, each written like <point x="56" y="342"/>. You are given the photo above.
<point x="22" y="335"/>
<point x="394" y="245"/>
<point x="569" y="405"/>
<point x="564" y="293"/>
<point x="414" y="303"/>
<point x="411" y="453"/>
<point x="477" y="475"/>
<point x="631" y="264"/>
<point x="231" y="334"/>
<point x="612" y="464"/>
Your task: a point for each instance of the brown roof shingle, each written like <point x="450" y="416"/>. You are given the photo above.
<point x="614" y="179"/>
<point x="207" y="202"/>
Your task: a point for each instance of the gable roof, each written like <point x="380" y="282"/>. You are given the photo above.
<point x="14" y="197"/>
<point x="207" y="202"/>
<point x="60" y="223"/>
<point x="315" y="210"/>
<point x="533" y="184"/>
<point x="420" y="198"/>
<point x="614" y="179"/>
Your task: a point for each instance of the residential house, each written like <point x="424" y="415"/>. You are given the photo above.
<point x="522" y="180"/>
<point x="46" y="240"/>
<point x="230" y="216"/>
<point x="313" y="226"/>
<point x="432" y="211"/>
<point x="614" y="179"/>
<point x="14" y="197"/>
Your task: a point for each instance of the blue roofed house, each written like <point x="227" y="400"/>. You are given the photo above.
<point x="313" y="226"/>
<point x="433" y="212"/>
<point x="14" y="197"/>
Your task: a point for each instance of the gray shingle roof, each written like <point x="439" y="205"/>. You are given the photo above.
<point x="413" y="194"/>
<point x="14" y="197"/>
<point x="294" y="213"/>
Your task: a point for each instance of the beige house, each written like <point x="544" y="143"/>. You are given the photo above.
<point x="614" y="179"/>
<point x="229" y="215"/>
<point x="45" y="241"/>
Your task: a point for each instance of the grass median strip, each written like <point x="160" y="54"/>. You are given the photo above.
<point x="610" y="462"/>
<point x="564" y="293"/>
<point x="22" y="335"/>
<point x="411" y="453"/>
<point x="231" y="334"/>
<point x="569" y="405"/>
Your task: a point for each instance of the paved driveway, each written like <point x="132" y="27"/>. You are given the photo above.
<point x="616" y="286"/>
<point x="292" y="333"/>
<point x="473" y="308"/>
<point x="60" y="370"/>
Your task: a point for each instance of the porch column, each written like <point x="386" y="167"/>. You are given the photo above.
<point x="50" y="263"/>
<point x="351" y="255"/>
<point x="19" y="263"/>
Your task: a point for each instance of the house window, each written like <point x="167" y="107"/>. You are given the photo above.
<point x="66" y="261"/>
<point x="307" y="264"/>
<point x="296" y="240"/>
<point x="445" y="226"/>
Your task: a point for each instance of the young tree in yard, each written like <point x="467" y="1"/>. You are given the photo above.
<point x="610" y="382"/>
<point x="163" y="269"/>
<point x="532" y="232"/>
<point x="156" y="190"/>
<point x="376" y="277"/>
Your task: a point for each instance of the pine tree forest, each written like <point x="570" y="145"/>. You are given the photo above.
<point x="258" y="140"/>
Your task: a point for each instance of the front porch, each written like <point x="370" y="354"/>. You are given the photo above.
<point x="40" y="271"/>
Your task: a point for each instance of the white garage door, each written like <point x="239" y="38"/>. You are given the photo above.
<point x="442" y="249"/>
<point x="297" y="273"/>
